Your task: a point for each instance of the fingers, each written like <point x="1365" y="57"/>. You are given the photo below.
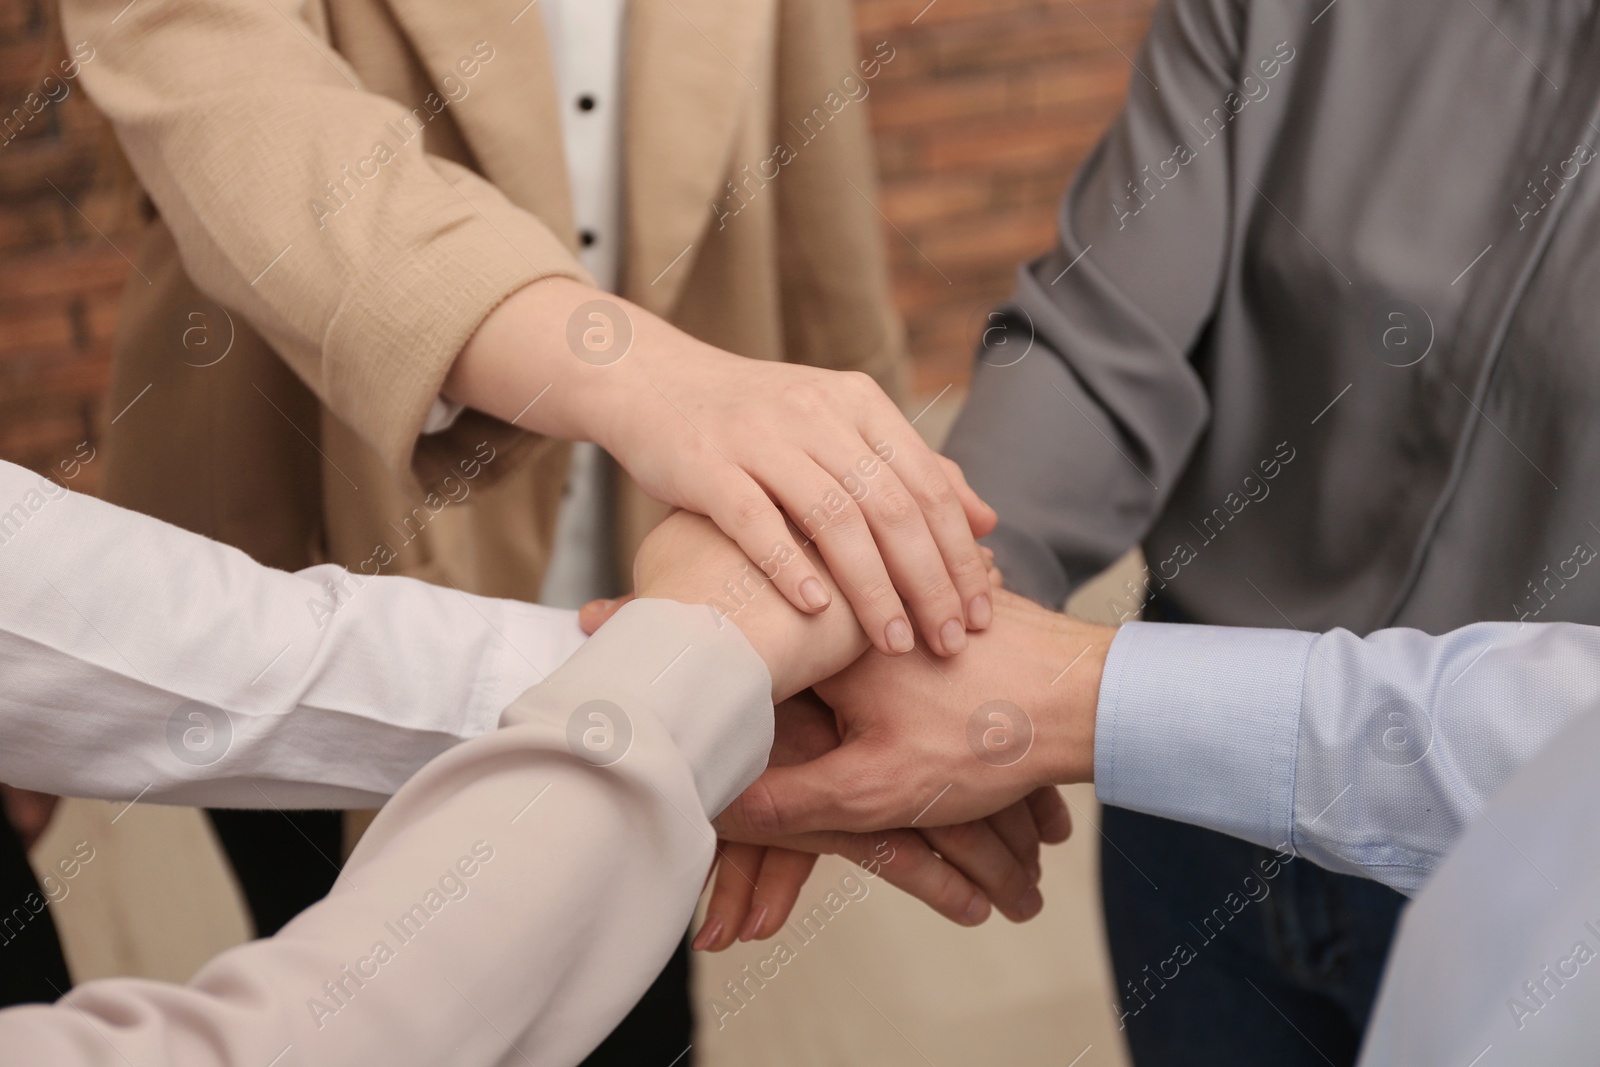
<point x="596" y="613"/>
<point x="907" y="862"/>
<point x="822" y="795"/>
<point x="755" y="891"/>
<point x="980" y="516"/>
<point x="1016" y="828"/>
<point x="845" y="539"/>
<point x="901" y="544"/>
<point x="978" y="852"/>
<point x="783" y="874"/>
<point x="1050" y="814"/>
<point x="743" y="511"/>
<point x="937" y="502"/>
<point x="738" y="867"/>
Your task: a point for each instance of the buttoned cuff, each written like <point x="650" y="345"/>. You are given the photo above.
<point x="1201" y="724"/>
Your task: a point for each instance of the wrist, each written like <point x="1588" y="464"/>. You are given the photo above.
<point x="686" y="558"/>
<point x="1069" y="702"/>
<point x="521" y="364"/>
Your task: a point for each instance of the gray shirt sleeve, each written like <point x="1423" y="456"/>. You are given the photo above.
<point x="1085" y="407"/>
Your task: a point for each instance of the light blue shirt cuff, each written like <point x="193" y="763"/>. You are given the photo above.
<point x="1201" y="724"/>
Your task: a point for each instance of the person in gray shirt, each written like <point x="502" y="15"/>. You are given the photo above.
<point x="1306" y="338"/>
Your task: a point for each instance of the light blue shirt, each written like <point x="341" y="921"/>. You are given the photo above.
<point x="1368" y="756"/>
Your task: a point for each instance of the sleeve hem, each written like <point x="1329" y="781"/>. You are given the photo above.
<point x="1201" y="724"/>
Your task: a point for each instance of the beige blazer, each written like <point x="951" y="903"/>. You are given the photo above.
<point x="308" y="274"/>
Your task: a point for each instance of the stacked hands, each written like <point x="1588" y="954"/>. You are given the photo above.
<point x="937" y="773"/>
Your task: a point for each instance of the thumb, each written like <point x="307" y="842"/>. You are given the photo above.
<point x="595" y="613"/>
<point x="842" y="790"/>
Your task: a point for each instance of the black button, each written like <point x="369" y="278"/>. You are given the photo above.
<point x="587" y="238"/>
<point x="585" y="102"/>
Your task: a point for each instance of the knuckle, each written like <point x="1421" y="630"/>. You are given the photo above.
<point x="807" y="397"/>
<point x="750" y="512"/>
<point x="896" y="509"/>
<point x="934" y="489"/>
<point x="938" y="590"/>
<point x="758" y="813"/>
<point x="861" y="383"/>
<point x="879" y="594"/>
<point x="962" y="838"/>
<point x="969" y="567"/>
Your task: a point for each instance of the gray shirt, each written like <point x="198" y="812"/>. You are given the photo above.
<point x="1309" y="332"/>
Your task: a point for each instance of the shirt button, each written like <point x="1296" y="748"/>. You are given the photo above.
<point x="587" y="238"/>
<point x="585" y="102"/>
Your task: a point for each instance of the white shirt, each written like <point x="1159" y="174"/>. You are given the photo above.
<point x="586" y="48"/>
<point x="498" y="911"/>
<point x="144" y="660"/>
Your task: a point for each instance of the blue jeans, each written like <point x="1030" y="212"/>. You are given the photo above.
<point x="1228" y="953"/>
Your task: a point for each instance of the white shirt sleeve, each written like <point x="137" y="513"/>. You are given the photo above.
<point x="508" y="906"/>
<point x="141" y="660"/>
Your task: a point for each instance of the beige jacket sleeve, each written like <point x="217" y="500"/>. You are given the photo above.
<point x="841" y="320"/>
<point x="235" y="114"/>
<point x="511" y="902"/>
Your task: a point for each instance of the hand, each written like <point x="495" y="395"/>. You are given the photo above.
<point x="594" y="614"/>
<point x="926" y="744"/>
<point x="686" y="558"/>
<point x="757" y="883"/>
<point x="726" y="436"/>
<point x="28" y="812"/>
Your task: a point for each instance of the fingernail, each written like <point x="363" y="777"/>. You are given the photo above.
<point x="752" y="924"/>
<point x="954" y="636"/>
<point x="1031" y="904"/>
<point x="708" y="933"/>
<point x="980" y="613"/>
<point x="898" y="634"/>
<point x="1035" y="872"/>
<point x="813" y="594"/>
<point x="977" y="911"/>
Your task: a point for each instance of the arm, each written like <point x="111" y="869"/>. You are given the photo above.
<point x="516" y="897"/>
<point x="145" y="660"/>
<point x="431" y="282"/>
<point x="1367" y="756"/>
<point x="511" y="902"/>
<point x="1090" y="360"/>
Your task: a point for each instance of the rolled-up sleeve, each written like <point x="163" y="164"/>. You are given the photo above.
<point x="240" y="120"/>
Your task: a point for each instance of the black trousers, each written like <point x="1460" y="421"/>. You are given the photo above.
<point x="32" y="969"/>
<point x="287" y="861"/>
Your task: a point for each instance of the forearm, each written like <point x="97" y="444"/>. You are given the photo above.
<point x="146" y="660"/>
<point x="529" y="878"/>
<point x="1367" y="756"/>
<point x="562" y="358"/>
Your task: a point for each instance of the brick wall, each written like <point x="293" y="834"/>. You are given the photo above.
<point x="981" y="119"/>
<point x="986" y="109"/>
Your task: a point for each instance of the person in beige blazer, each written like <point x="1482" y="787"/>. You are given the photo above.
<point x="358" y="214"/>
